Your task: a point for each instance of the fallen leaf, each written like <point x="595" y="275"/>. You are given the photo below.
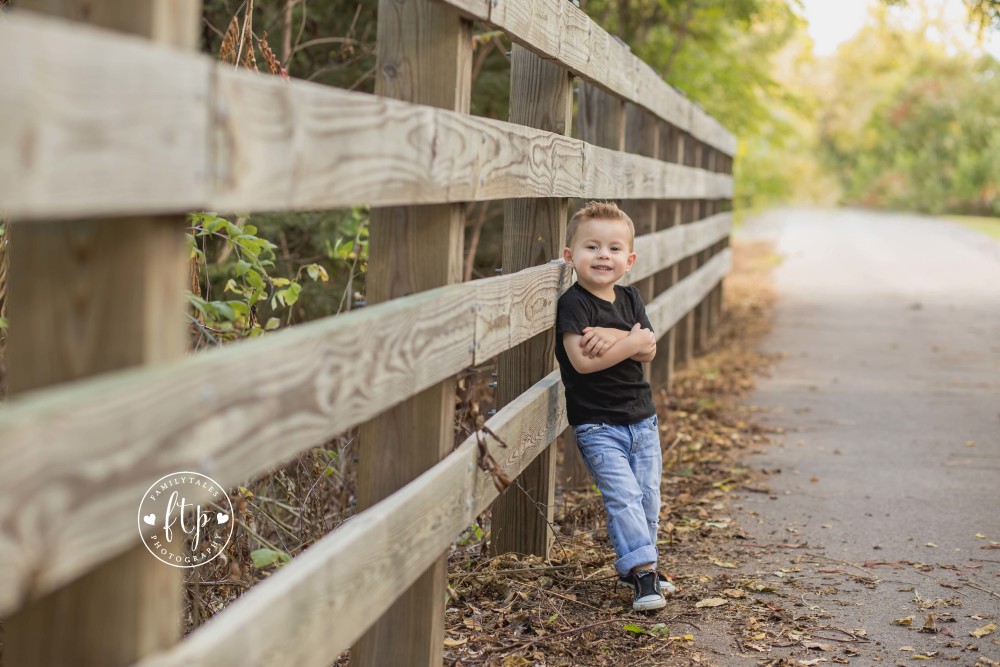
<point x="807" y="663"/>
<point x="710" y="602"/>
<point x="658" y="630"/>
<point x="448" y="641"/>
<point x="970" y="443"/>
<point x="924" y="656"/>
<point x="632" y="627"/>
<point x="814" y="478"/>
<point x="907" y="648"/>
<point x="725" y="564"/>
<point x="983" y="631"/>
<point x="980" y="536"/>
<point x="906" y="620"/>
<point x="819" y="646"/>
<point x="930" y="626"/>
<point x="931" y="544"/>
<point x="734" y="593"/>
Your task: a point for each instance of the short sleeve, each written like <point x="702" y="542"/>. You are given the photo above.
<point x="640" y="311"/>
<point x="573" y="314"/>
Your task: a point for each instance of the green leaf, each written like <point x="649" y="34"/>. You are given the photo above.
<point x="264" y="557"/>
<point x="242" y="267"/>
<point x="659" y="630"/>
<point x="254" y="278"/>
<point x="293" y="293"/>
<point x="231" y="286"/>
<point x="280" y="282"/>
<point x="239" y="307"/>
<point x="317" y="272"/>
<point x="215" y="224"/>
<point x="272" y="323"/>
<point x="632" y="627"/>
<point x="223" y="310"/>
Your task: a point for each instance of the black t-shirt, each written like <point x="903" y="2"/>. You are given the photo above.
<point x="616" y="395"/>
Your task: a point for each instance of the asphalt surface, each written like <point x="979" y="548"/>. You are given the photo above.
<point x="888" y="391"/>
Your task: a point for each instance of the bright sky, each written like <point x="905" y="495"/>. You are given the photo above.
<point x="832" y="22"/>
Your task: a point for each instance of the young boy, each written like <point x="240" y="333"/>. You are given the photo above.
<point x="603" y="336"/>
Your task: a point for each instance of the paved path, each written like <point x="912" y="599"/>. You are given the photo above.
<point x="889" y="391"/>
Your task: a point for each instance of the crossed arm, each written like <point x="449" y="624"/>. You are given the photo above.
<point x="599" y="348"/>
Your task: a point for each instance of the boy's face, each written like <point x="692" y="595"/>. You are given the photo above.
<point x="601" y="253"/>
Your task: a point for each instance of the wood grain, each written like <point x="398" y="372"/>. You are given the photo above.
<point x="77" y="458"/>
<point x="213" y="138"/>
<point x="329" y="595"/>
<point x="560" y="31"/>
<point x="424" y="57"/>
<point x="534" y="233"/>
<point x="667" y="309"/>
<point x="88" y="299"/>
<point x="99" y="123"/>
<point x="655" y="252"/>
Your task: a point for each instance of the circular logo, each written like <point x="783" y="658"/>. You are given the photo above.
<point x="186" y="519"/>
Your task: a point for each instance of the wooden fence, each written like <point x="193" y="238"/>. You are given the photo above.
<point x="107" y="139"/>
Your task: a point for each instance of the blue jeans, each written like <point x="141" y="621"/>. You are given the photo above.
<point x="627" y="464"/>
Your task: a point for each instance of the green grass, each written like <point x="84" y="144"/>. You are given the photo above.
<point x="988" y="226"/>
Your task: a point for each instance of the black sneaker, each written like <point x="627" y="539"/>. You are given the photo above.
<point x="666" y="586"/>
<point x="647" y="591"/>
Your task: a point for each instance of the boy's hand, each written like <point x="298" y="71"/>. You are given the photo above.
<point x="644" y="339"/>
<point x="598" y="340"/>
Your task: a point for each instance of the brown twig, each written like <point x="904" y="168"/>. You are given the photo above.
<point x="518" y="647"/>
<point x="980" y="588"/>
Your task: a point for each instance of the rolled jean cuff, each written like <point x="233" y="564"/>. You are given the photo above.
<point x="640" y="556"/>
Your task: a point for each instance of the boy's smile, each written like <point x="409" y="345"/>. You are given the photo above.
<point x="601" y="253"/>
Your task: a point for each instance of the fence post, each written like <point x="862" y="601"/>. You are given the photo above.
<point x="86" y="297"/>
<point x="642" y="136"/>
<point x="424" y="56"/>
<point x="667" y="215"/>
<point x="684" y="342"/>
<point x="534" y="232"/>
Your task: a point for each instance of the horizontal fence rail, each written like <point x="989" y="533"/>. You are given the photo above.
<point x="560" y="31"/>
<point x="235" y="412"/>
<point x="343" y="583"/>
<point x="189" y="134"/>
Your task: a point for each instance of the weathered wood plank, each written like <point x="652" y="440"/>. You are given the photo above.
<point x="559" y="31"/>
<point x="511" y="309"/>
<point x="534" y="233"/>
<point x="668" y="308"/>
<point x="229" y="413"/>
<point x="352" y="575"/>
<point x="664" y="248"/>
<point x="99" y="123"/>
<point x="424" y="57"/>
<point x="88" y="299"/>
<point x="275" y="145"/>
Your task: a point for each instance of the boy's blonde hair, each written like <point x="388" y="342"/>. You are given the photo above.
<point x="599" y="210"/>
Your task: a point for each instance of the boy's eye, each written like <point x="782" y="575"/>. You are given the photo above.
<point x="615" y="248"/>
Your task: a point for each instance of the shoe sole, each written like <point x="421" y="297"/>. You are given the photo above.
<point x="649" y="605"/>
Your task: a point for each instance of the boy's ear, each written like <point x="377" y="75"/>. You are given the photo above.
<point x="631" y="260"/>
<point x="568" y="256"/>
